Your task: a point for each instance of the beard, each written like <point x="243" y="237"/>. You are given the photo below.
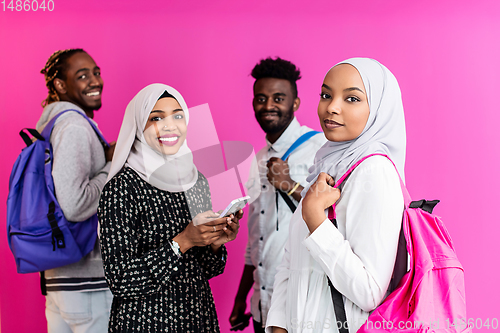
<point x="275" y="126"/>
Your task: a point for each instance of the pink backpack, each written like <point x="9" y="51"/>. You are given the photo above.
<point x="431" y="296"/>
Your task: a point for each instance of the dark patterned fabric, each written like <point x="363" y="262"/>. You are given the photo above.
<point x="154" y="290"/>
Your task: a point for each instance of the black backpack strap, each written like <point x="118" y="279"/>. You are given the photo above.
<point x="43" y="284"/>
<point x="338" y="306"/>
<point x="57" y="235"/>
<point x="27" y="140"/>
<point x="288" y="201"/>
<point x="338" y="301"/>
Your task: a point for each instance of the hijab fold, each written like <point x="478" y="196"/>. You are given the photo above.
<point x="384" y="132"/>
<point x="173" y="173"/>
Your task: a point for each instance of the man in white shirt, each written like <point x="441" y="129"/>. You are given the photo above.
<point x="275" y="102"/>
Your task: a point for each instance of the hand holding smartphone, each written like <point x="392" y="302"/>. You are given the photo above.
<point x="232" y="208"/>
<point x="235" y="206"/>
<point x="243" y="322"/>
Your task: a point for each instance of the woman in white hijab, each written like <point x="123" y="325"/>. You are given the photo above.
<point x="158" y="262"/>
<point x="361" y="113"/>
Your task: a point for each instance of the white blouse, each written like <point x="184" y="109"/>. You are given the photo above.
<point x="358" y="257"/>
<point x="267" y="225"/>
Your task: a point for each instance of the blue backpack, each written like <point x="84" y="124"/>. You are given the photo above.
<point x="39" y="235"/>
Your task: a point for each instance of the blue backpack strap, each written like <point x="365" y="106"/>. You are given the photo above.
<point x="303" y="138"/>
<point x="48" y="128"/>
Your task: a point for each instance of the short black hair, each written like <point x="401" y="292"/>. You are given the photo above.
<point x="56" y="67"/>
<point x="279" y="69"/>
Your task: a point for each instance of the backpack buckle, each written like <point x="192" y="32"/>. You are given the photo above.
<point x="423" y="204"/>
<point x="58" y="239"/>
<point x="57" y="235"/>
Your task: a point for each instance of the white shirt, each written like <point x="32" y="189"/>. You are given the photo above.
<point x="358" y="257"/>
<point x="268" y="231"/>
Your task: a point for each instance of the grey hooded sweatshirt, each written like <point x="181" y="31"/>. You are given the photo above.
<point x="79" y="171"/>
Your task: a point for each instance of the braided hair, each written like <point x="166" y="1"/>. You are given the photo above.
<point x="56" y="68"/>
<point x="279" y="69"/>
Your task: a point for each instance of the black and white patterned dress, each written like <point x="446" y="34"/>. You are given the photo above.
<point x="154" y="290"/>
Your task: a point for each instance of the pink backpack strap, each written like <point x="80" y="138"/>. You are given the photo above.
<point x="406" y="195"/>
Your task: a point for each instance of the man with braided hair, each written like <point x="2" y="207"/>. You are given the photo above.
<point x="275" y="103"/>
<point x="77" y="296"/>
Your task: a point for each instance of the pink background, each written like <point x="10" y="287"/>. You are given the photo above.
<point x="445" y="54"/>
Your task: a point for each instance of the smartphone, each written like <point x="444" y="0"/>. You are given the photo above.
<point x="245" y="321"/>
<point x="235" y="206"/>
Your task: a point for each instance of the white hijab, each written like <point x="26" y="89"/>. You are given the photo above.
<point x="173" y="173"/>
<point x="384" y="131"/>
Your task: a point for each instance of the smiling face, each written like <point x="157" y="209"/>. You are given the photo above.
<point x="274" y="105"/>
<point x="83" y="83"/>
<point x="166" y="128"/>
<point x="343" y="108"/>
